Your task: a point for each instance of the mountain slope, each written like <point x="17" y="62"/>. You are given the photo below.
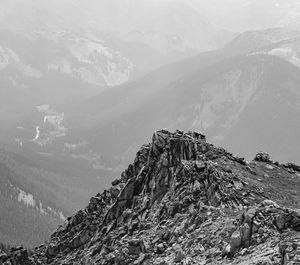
<point x="215" y="99"/>
<point x="184" y="200"/>
<point x="30" y="209"/>
<point x="38" y="191"/>
<point x="63" y="52"/>
<point x="212" y="92"/>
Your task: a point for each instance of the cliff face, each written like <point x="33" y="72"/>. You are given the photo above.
<point x="184" y="201"/>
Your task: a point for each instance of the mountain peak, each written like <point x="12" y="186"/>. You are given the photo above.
<point x="181" y="200"/>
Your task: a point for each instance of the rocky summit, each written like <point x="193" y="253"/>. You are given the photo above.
<point x="183" y="201"/>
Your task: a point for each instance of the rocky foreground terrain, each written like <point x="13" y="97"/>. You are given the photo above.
<point x="183" y="201"/>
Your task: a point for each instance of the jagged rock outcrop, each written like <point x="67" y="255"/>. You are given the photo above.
<point x="262" y="157"/>
<point x="182" y="201"/>
<point x="18" y="256"/>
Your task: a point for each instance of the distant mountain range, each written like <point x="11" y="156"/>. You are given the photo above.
<point x="53" y="56"/>
<point x="231" y="94"/>
<point x="222" y="93"/>
<point x="76" y="101"/>
<point x="134" y="45"/>
<point x="213" y="92"/>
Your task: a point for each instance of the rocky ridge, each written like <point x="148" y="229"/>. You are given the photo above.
<point x="183" y="201"/>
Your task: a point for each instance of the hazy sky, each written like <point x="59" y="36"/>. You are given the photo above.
<point x="233" y="15"/>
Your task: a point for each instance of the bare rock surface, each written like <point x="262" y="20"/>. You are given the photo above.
<point x="183" y="201"/>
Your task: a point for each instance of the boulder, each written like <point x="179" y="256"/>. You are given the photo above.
<point x="235" y="241"/>
<point x="262" y="157"/>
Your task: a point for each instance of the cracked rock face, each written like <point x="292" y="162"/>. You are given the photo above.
<point x="182" y="201"/>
